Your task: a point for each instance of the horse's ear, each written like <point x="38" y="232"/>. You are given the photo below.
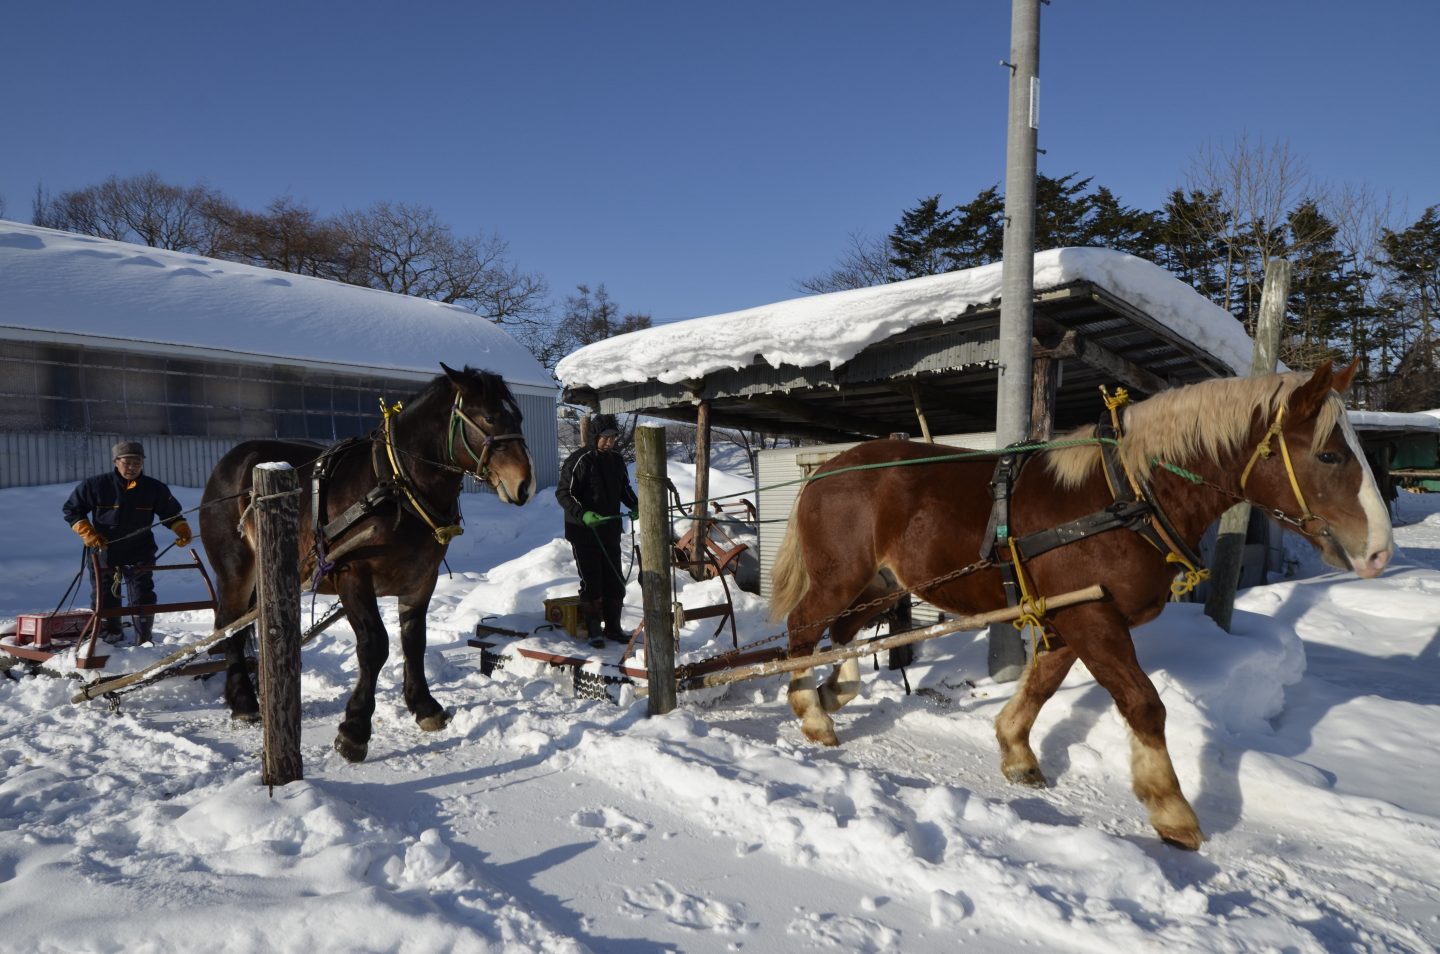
<point x="1308" y="398"/>
<point x="450" y="372"/>
<point x="1343" y="377"/>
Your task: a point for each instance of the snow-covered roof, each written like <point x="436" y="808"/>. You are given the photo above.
<point x="68" y="287"/>
<point x="831" y="329"/>
<point x="1395" y="421"/>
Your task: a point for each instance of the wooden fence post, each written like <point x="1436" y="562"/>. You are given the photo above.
<point x="655" y="581"/>
<point x="1225" y="562"/>
<point x="277" y="512"/>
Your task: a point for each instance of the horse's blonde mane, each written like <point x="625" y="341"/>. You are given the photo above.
<point x="1205" y="421"/>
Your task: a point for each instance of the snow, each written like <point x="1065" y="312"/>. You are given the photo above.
<point x="58" y="284"/>
<point x="831" y="329"/>
<point x="1395" y="420"/>
<point x="539" y="821"/>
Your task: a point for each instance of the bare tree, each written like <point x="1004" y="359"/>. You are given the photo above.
<point x="287" y="237"/>
<point x="1361" y="218"/>
<point x="866" y="262"/>
<point x="407" y="249"/>
<point x="136" y="209"/>
<point x="1255" y="186"/>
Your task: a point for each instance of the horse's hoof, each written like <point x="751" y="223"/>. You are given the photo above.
<point x="824" y="735"/>
<point x="433" y="723"/>
<point x="353" y="751"/>
<point x="249" y="718"/>
<point x="1032" y="777"/>
<point x="1188" y="838"/>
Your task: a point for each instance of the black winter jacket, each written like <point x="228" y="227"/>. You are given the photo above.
<point x="117" y="510"/>
<point x="590" y="480"/>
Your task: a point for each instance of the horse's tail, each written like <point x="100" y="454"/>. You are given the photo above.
<point x="789" y="580"/>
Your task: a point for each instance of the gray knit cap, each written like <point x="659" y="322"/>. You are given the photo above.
<point x="127" y="449"/>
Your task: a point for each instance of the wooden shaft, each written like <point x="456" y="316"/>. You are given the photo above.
<point x="277" y="525"/>
<point x="1094" y="592"/>
<point x="650" y="474"/>
<point x="120" y="682"/>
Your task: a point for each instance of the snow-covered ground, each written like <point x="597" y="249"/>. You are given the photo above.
<point x="541" y="821"/>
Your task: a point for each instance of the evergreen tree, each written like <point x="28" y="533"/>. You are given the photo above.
<point x="1325" y="300"/>
<point x="918" y="244"/>
<point x="977" y="236"/>
<point x="1412" y="257"/>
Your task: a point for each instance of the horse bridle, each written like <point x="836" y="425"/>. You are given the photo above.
<point x="1262" y="449"/>
<point x="458" y="417"/>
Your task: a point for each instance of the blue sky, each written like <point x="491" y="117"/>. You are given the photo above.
<point x="697" y="158"/>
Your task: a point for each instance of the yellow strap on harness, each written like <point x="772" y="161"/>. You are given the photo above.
<point x="443" y="535"/>
<point x="1113" y="404"/>
<point x="1262" y="449"/>
<point x="1032" y="609"/>
<point x="1187" y="581"/>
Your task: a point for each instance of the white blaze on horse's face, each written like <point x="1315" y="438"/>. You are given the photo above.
<point x="1379" y="544"/>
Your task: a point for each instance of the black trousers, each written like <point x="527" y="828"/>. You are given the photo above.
<point x="123" y="585"/>
<point x="597" y="558"/>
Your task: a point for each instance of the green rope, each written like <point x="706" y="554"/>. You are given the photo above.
<point x="1191" y="476"/>
<point x="681" y="508"/>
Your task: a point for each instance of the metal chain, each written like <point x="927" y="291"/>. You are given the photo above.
<point x="869" y="604"/>
<point x="1298" y="524"/>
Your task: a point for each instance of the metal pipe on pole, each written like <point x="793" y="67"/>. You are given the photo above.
<point x="1017" y="275"/>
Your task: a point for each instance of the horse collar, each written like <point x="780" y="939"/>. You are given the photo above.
<point x="443" y="533"/>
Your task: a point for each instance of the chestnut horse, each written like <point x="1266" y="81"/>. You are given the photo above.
<point x="388" y="506"/>
<point x="855" y="534"/>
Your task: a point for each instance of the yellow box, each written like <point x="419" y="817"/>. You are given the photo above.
<point x="564" y="611"/>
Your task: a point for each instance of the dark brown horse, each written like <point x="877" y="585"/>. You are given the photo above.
<point x="855" y="533"/>
<point x="387" y="506"/>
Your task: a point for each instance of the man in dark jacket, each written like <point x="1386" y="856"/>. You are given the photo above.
<point x="112" y="513"/>
<point x="594" y="486"/>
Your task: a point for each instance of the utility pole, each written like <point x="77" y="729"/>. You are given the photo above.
<point x="1017" y="275"/>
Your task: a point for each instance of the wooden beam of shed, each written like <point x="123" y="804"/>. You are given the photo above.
<point x="808" y="414"/>
<point x="719" y="418"/>
<point x="1102" y="359"/>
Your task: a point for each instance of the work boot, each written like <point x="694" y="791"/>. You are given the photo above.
<point x="613" y="630"/>
<point x="112" y="631"/>
<point x="590" y="613"/>
<point x="143" y="626"/>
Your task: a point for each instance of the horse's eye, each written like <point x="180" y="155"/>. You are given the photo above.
<point x="1329" y="457"/>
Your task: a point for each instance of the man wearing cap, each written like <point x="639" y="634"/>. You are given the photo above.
<point x="594" y="486"/>
<point x="112" y="513"/>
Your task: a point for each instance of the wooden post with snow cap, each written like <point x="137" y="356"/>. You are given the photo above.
<point x="655" y="582"/>
<point x="1229" y="554"/>
<point x="277" y="521"/>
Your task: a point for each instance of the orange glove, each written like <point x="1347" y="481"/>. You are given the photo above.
<point x="182" y="534"/>
<point x="89" y="534"/>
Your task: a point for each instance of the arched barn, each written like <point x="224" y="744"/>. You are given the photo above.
<point x="918" y="357"/>
<point x="103" y="340"/>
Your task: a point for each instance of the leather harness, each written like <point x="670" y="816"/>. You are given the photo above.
<point x="1134" y="509"/>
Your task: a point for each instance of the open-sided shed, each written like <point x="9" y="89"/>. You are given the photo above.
<point x="919" y="357"/>
<point x="101" y="340"/>
<point x="866" y="363"/>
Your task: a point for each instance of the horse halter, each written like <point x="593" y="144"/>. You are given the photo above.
<point x="458" y="418"/>
<point x="1262" y="449"/>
